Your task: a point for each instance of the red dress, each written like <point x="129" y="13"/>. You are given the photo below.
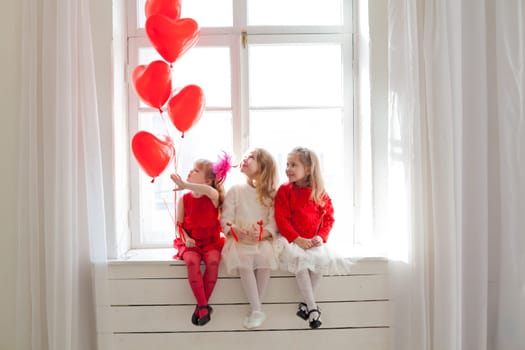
<point x="201" y="222"/>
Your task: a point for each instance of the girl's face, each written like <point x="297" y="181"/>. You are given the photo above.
<point x="249" y="165"/>
<point x="197" y="175"/>
<point x="296" y="171"/>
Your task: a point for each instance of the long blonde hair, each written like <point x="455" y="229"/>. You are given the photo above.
<point x="309" y="159"/>
<point x="267" y="179"/>
<point x="207" y="166"/>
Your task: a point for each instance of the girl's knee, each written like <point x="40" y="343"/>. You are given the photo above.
<point x="191" y="259"/>
<point x="212" y="258"/>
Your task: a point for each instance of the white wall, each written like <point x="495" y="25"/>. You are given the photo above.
<point x="9" y="97"/>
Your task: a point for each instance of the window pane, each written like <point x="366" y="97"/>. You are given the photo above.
<point x="295" y="12"/>
<point x="208" y="67"/>
<point x="207" y="13"/>
<point x="206" y="139"/>
<point x="295" y="75"/>
<point x="319" y="130"/>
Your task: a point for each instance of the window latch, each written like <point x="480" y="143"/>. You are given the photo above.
<point x="244" y="35"/>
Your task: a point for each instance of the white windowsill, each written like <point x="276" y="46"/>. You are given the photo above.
<point x="166" y="255"/>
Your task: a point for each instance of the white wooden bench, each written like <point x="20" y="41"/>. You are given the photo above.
<point x="151" y="304"/>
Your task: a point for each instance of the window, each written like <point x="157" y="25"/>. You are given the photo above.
<point x="273" y="77"/>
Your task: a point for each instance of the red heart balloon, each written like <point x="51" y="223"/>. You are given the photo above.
<point x="168" y="8"/>
<point x="185" y="107"/>
<point x="153" y="154"/>
<point x="172" y="38"/>
<point x="153" y="83"/>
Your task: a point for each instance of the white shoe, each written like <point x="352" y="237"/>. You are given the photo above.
<point x="254" y="320"/>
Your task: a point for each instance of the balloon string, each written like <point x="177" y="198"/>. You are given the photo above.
<point x="178" y="155"/>
<point x="176" y="225"/>
<point x="168" y="208"/>
<point x="164" y="122"/>
<point x="178" y="152"/>
<point x="181" y="232"/>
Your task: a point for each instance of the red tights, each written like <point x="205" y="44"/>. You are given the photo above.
<point x="202" y="285"/>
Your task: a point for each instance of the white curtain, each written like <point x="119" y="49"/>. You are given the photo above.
<point x="61" y="210"/>
<point x="457" y="160"/>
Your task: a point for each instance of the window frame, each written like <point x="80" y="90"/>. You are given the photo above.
<point x="232" y="37"/>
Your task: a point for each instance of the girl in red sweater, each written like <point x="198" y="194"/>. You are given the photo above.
<point x="304" y="215"/>
<point x="199" y="228"/>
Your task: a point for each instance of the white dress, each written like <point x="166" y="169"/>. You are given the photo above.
<point x="241" y="209"/>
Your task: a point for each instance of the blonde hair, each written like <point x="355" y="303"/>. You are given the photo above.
<point x="207" y="166"/>
<point x="267" y="180"/>
<point x="314" y="180"/>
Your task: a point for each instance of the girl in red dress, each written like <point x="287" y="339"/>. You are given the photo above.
<point x="199" y="228"/>
<point x="304" y="215"/>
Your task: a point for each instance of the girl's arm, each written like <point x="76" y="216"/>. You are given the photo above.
<point x="203" y="189"/>
<point x="283" y="215"/>
<point x="327" y="221"/>
<point x="228" y="211"/>
<point x="229" y="219"/>
<point x="190" y="242"/>
<point x="269" y="227"/>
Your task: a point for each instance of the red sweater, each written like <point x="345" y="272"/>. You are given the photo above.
<point x="297" y="215"/>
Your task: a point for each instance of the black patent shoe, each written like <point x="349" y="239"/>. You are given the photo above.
<point x="315" y="320"/>
<point x="201" y="321"/>
<point x="302" y="311"/>
<point x="195" y="316"/>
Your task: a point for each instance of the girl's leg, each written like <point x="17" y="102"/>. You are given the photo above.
<point x="315" y="277"/>
<point x="305" y="288"/>
<point x="249" y="285"/>
<point x="211" y="260"/>
<point x="251" y="290"/>
<point x="307" y="281"/>
<point x="263" y="277"/>
<point x="193" y="262"/>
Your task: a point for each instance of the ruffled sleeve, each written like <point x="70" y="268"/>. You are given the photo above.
<point x="327" y="219"/>
<point x="271" y="225"/>
<point x="283" y="214"/>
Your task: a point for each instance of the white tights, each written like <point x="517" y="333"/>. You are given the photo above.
<point x="254" y="283"/>
<point x="307" y="282"/>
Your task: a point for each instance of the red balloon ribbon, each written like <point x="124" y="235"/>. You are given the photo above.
<point x="168" y="8"/>
<point x="153" y="154"/>
<point x="186" y="107"/>
<point x="172" y="38"/>
<point x="153" y="83"/>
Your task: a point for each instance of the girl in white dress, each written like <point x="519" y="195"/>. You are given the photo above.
<point x="304" y="216"/>
<point x="248" y="221"/>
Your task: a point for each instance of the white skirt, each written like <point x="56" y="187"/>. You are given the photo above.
<point x="253" y="256"/>
<point x="319" y="259"/>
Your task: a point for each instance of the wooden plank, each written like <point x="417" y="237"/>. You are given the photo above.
<point x="348" y="339"/>
<point x="228" y="290"/>
<point x="177" y="269"/>
<point x="229" y="317"/>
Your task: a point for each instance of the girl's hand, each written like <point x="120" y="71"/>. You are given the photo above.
<point x="254" y="232"/>
<point x="190" y="242"/>
<point x="181" y="184"/>
<point x="317" y="241"/>
<point x="248" y="236"/>
<point x="303" y="243"/>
